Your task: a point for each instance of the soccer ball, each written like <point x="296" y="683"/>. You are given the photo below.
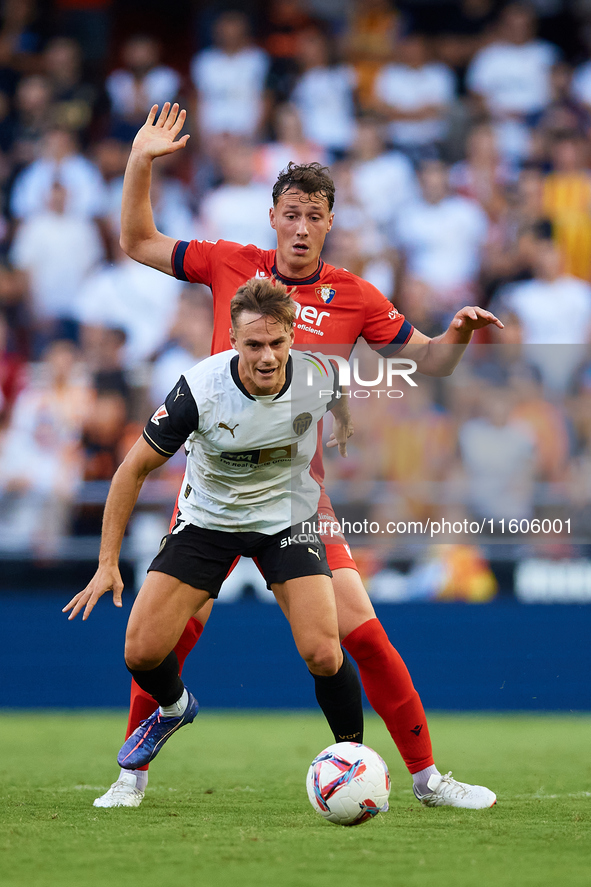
<point x="348" y="783"/>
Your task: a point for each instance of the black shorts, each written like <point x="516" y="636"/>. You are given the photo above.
<point x="202" y="558"/>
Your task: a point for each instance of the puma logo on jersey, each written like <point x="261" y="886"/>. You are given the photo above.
<point x="313" y="551"/>
<point x="227" y="427"/>
<point x="178" y="394"/>
<point x="260" y="275"/>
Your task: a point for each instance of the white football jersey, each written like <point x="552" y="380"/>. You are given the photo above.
<point x="248" y="457"/>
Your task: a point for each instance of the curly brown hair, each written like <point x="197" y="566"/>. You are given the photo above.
<point x="265" y="296"/>
<point x="311" y="178"/>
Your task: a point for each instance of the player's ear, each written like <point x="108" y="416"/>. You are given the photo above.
<point x="233" y="339"/>
<point x="330" y="221"/>
<point x="272" y="217"/>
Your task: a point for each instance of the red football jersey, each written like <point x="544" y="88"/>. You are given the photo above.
<point x="335" y="307"/>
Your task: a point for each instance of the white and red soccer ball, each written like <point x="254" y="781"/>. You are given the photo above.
<point x="348" y="783"/>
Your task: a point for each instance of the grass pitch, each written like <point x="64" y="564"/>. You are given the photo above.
<point x="227" y="806"/>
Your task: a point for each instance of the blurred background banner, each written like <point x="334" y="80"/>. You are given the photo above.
<point x="494" y="658"/>
<point x="458" y="135"/>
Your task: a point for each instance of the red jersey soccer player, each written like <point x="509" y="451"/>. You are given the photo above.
<point x="336" y="307"/>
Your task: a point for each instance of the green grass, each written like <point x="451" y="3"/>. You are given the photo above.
<point x="227" y="807"/>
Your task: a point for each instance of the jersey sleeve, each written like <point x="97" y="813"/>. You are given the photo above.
<point x="174" y="421"/>
<point x="384" y="328"/>
<point x="194" y="260"/>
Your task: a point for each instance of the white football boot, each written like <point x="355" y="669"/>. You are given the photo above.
<point x="122" y="793"/>
<point x="445" y="791"/>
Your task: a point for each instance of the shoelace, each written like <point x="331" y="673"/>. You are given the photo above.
<point x="454" y="786"/>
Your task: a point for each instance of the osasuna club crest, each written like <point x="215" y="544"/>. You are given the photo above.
<point x="301" y="423"/>
<point x="325" y="294"/>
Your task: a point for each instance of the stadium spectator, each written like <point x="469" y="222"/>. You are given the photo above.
<point x="567" y="201"/>
<point x="534" y="301"/>
<point x="510" y="77"/>
<point x="40" y="461"/>
<point x="189" y="341"/>
<point x="463" y="30"/>
<point x="581" y="81"/>
<point x="499" y="459"/>
<point x="88" y="22"/>
<point x="282" y="27"/>
<point x="62" y="162"/>
<point x="508" y="255"/>
<point x="104" y="356"/>
<point x="289" y="143"/>
<point x="415" y="95"/>
<point x="133" y="298"/>
<point x="229" y="79"/>
<point x="547" y="422"/>
<point x="369" y="42"/>
<point x="238" y="209"/>
<point x="357" y="242"/>
<point x="57" y="250"/>
<point x="22" y="31"/>
<point x="382" y="181"/>
<point x="482" y="175"/>
<point x="11" y="373"/>
<point x="416" y="447"/>
<point x="74" y="99"/>
<point x="324" y="94"/>
<point x="564" y="111"/>
<point x="141" y="82"/>
<point x="32" y="118"/>
<point x="440" y="237"/>
<point x="102" y="443"/>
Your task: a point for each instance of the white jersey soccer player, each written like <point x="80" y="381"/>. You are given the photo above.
<point x="248" y="421"/>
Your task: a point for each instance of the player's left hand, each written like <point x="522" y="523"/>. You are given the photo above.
<point x="106" y="578"/>
<point x="341" y="433"/>
<point x="474" y="318"/>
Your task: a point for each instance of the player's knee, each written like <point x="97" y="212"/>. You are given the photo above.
<point x="138" y="659"/>
<point x="323" y="658"/>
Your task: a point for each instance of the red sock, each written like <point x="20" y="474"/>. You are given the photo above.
<point x="141" y="704"/>
<point x="391" y="693"/>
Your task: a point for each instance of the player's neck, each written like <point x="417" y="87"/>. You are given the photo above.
<point x="295" y="270"/>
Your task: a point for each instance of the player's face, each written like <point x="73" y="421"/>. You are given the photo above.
<point x="263" y="348"/>
<point x="302" y="222"/>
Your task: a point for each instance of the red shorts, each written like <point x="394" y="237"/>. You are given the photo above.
<point x="338" y="553"/>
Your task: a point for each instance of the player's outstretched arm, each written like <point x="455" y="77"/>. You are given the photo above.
<point x="342" y="425"/>
<point x="124" y="490"/>
<point x="441" y="355"/>
<point x="140" y="238"/>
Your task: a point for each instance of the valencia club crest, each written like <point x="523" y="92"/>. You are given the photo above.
<point x="325" y="294"/>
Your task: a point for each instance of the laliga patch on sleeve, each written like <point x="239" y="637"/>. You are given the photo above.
<point x="161" y="413"/>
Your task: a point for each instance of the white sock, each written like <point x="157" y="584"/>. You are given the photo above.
<point x="141" y="778"/>
<point x="176" y="709"/>
<point x="421" y="779"/>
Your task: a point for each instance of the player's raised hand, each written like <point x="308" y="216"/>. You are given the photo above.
<point x="474" y="318"/>
<point x="157" y="138"/>
<point x="106" y="578"/>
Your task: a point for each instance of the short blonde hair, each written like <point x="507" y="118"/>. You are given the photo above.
<point x="265" y="296"/>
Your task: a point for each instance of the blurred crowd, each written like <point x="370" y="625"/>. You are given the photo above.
<point x="458" y="134"/>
